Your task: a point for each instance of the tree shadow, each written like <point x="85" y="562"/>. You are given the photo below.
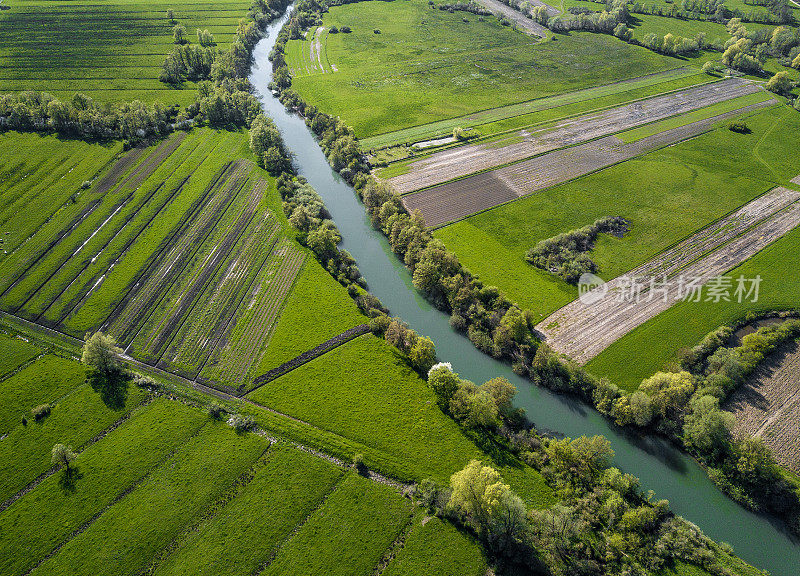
<point x="113" y="387"/>
<point x="68" y="478"/>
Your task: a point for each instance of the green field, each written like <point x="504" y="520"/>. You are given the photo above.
<point x="667" y="195"/>
<point x="16" y="352"/>
<point x="112" y="51"/>
<point x="655" y="343"/>
<point x="428" y="65"/>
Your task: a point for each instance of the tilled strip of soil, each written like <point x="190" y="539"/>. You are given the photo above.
<point x="581" y="331"/>
<point x="795" y="180"/>
<point x="768" y="405"/>
<point x="456" y="200"/>
<point x="525" y="23"/>
<point x="454" y="163"/>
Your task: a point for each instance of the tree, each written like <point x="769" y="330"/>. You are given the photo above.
<point x="780" y="83"/>
<point x="101" y="354"/>
<point x="474" y="407"/>
<point x="274" y="161"/>
<point x="707" y="428"/>
<point x="444" y="383"/>
<point x="422" y="354"/>
<point x="514" y="321"/>
<point x="171" y="15"/>
<point x="502" y="392"/>
<point x="205" y="38"/>
<point x="471" y="491"/>
<point x="179" y="33"/>
<point x="62" y="456"/>
<point x="641" y="408"/>
<point x="796" y="62"/>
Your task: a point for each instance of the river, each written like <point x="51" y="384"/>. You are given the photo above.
<point x="670" y="473"/>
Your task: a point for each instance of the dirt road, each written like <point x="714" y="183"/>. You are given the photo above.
<point x="465" y="160"/>
<point x="581" y="330"/>
<point x="523" y="22"/>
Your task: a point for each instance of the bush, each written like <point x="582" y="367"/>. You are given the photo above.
<point x="346" y="29"/>
<point x="334" y="30"/>
<point x="739" y="127"/>
<point x="86" y="184"/>
<point x="40" y="412"/>
<point x="240" y="423"/>
<point x="215" y="411"/>
<point x="377" y="31"/>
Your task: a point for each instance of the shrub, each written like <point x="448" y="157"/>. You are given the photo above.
<point x="377" y="31"/>
<point x="739" y="126"/>
<point x="334" y="30"/>
<point x="346" y="29"/>
<point x="240" y="423"/>
<point x="40" y="412"/>
<point x="215" y="411"/>
<point x="86" y="184"/>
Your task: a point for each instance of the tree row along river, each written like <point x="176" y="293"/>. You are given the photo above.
<point x="667" y="471"/>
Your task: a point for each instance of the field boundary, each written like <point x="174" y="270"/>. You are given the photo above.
<point x="306" y="356"/>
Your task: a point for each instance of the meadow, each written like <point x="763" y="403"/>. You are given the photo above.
<point x="16" y="352"/>
<point x="428" y="65"/>
<point x="667" y="195"/>
<point x="110" y="51"/>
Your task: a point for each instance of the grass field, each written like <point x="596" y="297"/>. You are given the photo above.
<point x="348" y="534"/>
<point x="437" y="548"/>
<point x="41" y="382"/>
<point x="16" y="352"/>
<point x="428" y="65"/>
<point x="112" y="51"/>
<point x="667" y="195"/>
<point x="655" y="343"/>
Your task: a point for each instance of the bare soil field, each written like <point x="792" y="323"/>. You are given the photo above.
<point x="769" y="405"/>
<point x="456" y="200"/>
<point x="523" y="22"/>
<point x="795" y="180"/>
<point x="458" y="162"/>
<point x="583" y="330"/>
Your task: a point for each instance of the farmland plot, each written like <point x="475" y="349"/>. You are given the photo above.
<point x="16" y="352"/>
<point x="583" y="330"/>
<point x="458" y="162"/>
<point x="768" y="405"/>
<point x="456" y="200"/>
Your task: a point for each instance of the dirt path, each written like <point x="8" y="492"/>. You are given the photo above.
<point x="315" y="51"/>
<point x="522" y="21"/>
<point x="795" y="180"/>
<point x="457" y="200"/>
<point x="583" y="330"/>
<point x="462" y="161"/>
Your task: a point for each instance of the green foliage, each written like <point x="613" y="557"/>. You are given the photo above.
<point x="101" y="354"/>
<point x="780" y="83"/>
<point x="62" y="456"/>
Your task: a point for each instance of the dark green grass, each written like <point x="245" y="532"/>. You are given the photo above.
<point x="437" y="548"/>
<point x="667" y="195"/>
<point x="652" y="346"/>
<point x="98" y="48"/>
<point x="44" y="381"/>
<point x="243" y="535"/>
<point x="124" y="538"/>
<point x="390" y="409"/>
<point x="45" y="517"/>
<point x="348" y="535"/>
<point x="428" y="65"/>
<point x="15" y="352"/>
<point x="317" y="309"/>
<point x="74" y="420"/>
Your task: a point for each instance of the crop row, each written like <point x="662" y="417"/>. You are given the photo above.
<point x="110" y="213"/>
<point x="146" y="338"/>
<point x="232" y="363"/>
<point x="222" y="245"/>
<point x="118" y="281"/>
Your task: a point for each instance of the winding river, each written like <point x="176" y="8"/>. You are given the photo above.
<point x="662" y="468"/>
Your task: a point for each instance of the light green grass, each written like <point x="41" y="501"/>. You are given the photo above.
<point x="437" y="548"/>
<point x="14" y="352"/>
<point x="130" y="533"/>
<point x="110" y="51"/>
<point x="694" y="116"/>
<point x="348" y="535"/>
<point x="663" y="80"/>
<point x="652" y="346"/>
<point x="243" y="535"/>
<point x="668" y="195"/>
<point x="428" y="65"/>
<point x="45" y="517"/>
<point x="317" y="309"/>
<point x="44" y="381"/>
<point x="74" y="420"/>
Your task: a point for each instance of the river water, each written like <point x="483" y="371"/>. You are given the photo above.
<point x="660" y="466"/>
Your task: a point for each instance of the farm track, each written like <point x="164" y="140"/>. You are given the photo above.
<point x="581" y="331"/>
<point x="270" y="290"/>
<point x="142" y="171"/>
<point x="768" y="405"/>
<point x="106" y="183"/>
<point x="156" y="280"/>
<point x="441" y="167"/>
<point x="173" y="320"/>
<point x="454" y="201"/>
<point x="525" y="23"/>
<point x="210" y="298"/>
